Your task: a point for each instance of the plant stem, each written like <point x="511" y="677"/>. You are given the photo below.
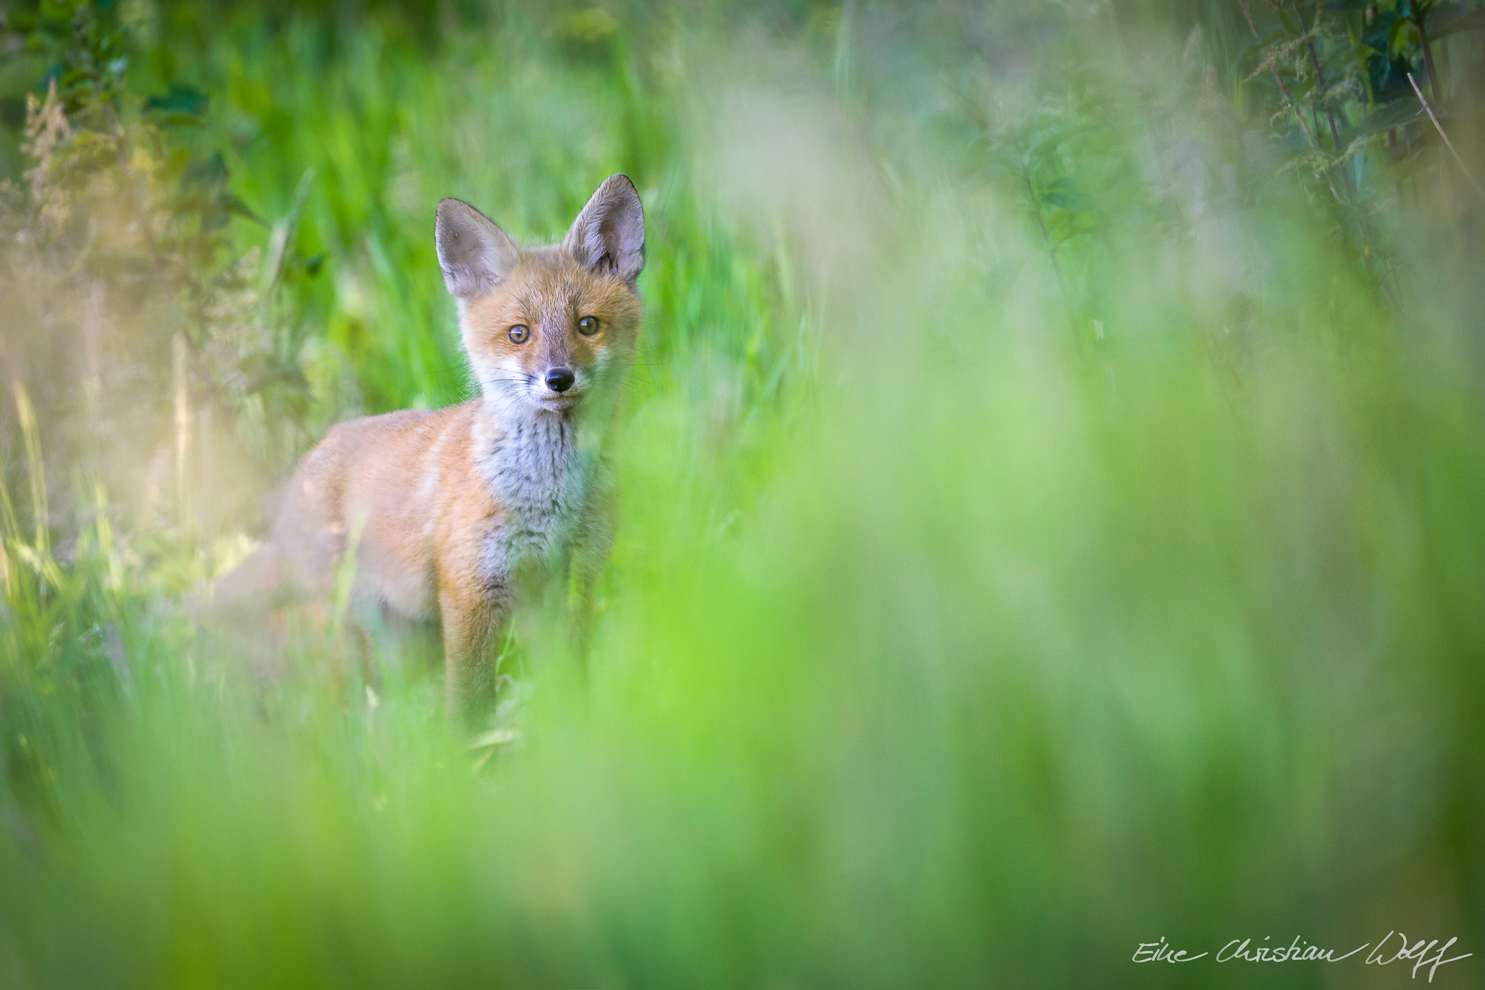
<point x="1046" y="236"/>
<point x="1288" y="97"/>
<point x="1052" y="255"/>
<point x="1447" y="143"/>
<point x="1335" y="133"/>
<point x="1433" y="75"/>
<point x="179" y="357"/>
<point x="1283" y="87"/>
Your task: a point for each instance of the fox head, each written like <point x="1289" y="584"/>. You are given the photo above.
<point x="547" y="327"/>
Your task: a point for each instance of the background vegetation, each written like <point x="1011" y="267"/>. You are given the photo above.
<point x="1052" y="486"/>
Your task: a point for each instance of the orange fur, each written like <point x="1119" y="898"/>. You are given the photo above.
<point x="447" y="507"/>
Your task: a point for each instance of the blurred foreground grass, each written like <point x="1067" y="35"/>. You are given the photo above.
<point x="1052" y="519"/>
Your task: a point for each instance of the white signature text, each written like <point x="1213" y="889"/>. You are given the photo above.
<point x="1395" y="947"/>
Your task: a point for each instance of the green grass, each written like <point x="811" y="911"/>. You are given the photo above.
<point x="1050" y="524"/>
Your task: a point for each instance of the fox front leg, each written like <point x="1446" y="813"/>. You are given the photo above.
<point x="469" y="633"/>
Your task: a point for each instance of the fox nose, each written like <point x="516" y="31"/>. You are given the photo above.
<point x="559" y="379"/>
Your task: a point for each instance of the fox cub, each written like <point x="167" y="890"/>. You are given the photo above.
<point x="447" y="507"/>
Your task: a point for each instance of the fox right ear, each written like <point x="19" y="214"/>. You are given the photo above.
<point x="473" y="253"/>
<point x="609" y="234"/>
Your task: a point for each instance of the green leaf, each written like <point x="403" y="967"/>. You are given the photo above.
<point x="1398" y="113"/>
<point x="179" y="104"/>
<point x="1250" y="53"/>
<point x="207" y="174"/>
<point x="587" y="27"/>
<point x="1455" y="18"/>
<point x="231" y="203"/>
<point x="1065" y="193"/>
<point x="1402" y="34"/>
<point x="12" y="112"/>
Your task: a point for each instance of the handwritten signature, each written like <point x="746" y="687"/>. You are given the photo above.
<point x="1421" y="953"/>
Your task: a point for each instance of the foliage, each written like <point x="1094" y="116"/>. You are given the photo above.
<point x="1347" y="66"/>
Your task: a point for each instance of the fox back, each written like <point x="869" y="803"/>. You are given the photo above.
<point x="446" y="508"/>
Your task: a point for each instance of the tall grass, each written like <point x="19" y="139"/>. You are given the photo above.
<point x="1050" y="524"/>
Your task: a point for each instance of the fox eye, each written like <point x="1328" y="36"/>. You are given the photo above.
<point x="588" y="326"/>
<point x="518" y="333"/>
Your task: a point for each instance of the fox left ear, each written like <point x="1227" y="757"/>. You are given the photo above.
<point x="609" y="234"/>
<point x="473" y="252"/>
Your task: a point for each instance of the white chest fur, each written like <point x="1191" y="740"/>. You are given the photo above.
<point x="541" y="481"/>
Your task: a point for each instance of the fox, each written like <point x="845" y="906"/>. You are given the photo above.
<point x="447" y="511"/>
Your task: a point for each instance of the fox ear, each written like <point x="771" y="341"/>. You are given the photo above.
<point x="609" y="234"/>
<point x="473" y="253"/>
